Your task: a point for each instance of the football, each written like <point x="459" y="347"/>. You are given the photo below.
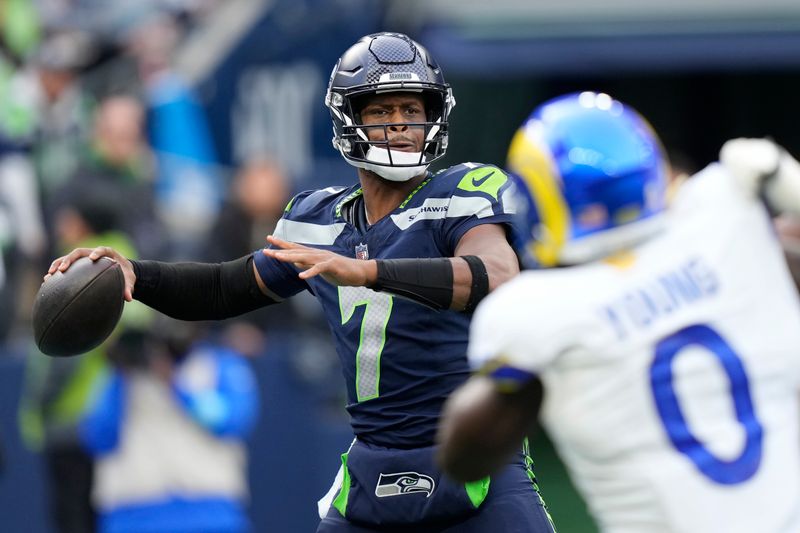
<point x="76" y="310"/>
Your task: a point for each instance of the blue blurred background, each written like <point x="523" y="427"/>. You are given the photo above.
<point x="228" y="95"/>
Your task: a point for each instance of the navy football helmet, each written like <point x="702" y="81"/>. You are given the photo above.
<point x="593" y="177"/>
<point x="387" y="62"/>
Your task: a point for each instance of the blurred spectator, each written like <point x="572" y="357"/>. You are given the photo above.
<point x="57" y="390"/>
<point x="167" y="431"/>
<point x="188" y="185"/>
<point x="19" y="26"/>
<point x="7" y="255"/>
<point x="65" y="108"/>
<point x="256" y="198"/>
<point x="19" y="35"/>
<point x="22" y="236"/>
<point x="258" y="195"/>
<point x="118" y="165"/>
<point x="132" y="49"/>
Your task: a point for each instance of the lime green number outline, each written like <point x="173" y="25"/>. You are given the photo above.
<point x="373" y="326"/>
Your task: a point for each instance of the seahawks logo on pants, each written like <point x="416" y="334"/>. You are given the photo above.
<point x="401" y="483"/>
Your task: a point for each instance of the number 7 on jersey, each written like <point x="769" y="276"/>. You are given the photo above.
<point x="377" y="308"/>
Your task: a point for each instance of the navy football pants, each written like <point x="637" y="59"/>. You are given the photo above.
<point x="512" y="506"/>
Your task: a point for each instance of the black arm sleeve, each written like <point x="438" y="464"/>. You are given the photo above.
<point x="427" y="281"/>
<point x="199" y="291"/>
<point x="480" y="282"/>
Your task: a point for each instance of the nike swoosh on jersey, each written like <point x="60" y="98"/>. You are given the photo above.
<point x="482" y="179"/>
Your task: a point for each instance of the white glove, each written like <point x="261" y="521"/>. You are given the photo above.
<point x="751" y="161"/>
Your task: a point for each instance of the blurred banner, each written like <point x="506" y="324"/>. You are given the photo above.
<point x="512" y="37"/>
<point x="266" y="97"/>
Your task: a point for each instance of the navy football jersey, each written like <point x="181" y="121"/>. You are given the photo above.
<point x="400" y="359"/>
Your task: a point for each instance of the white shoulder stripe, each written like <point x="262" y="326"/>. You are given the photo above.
<point x="306" y="233"/>
<point x="436" y="208"/>
<point x="510" y="201"/>
<point x="464" y="206"/>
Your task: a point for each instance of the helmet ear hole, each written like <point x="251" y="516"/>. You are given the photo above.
<point x="357" y="104"/>
<point x="433" y="106"/>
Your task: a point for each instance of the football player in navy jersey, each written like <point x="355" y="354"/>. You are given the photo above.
<point x="398" y="261"/>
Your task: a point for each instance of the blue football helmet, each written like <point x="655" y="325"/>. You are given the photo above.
<point x="592" y="175"/>
<point x="387" y="62"/>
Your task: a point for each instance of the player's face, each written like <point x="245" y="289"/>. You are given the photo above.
<point x="397" y="109"/>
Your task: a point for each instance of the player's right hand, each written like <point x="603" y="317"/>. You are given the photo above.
<point x="62" y="263"/>
<point x="334" y="268"/>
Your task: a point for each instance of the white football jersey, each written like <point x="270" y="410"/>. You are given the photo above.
<point x="672" y="375"/>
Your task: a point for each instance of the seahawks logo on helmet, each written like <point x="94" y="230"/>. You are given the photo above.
<point x="401" y="483"/>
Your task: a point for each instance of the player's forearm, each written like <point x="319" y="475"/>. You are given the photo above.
<point x="457" y="283"/>
<point x="199" y="291"/>
<point x="428" y="281"/>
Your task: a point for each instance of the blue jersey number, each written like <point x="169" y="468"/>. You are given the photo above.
<point x="721" y="471"/>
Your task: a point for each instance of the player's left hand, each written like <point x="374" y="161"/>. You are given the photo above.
<point x="334" y="268"/>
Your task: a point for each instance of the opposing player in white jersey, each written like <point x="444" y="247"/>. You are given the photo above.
<point x="670" y="358"/>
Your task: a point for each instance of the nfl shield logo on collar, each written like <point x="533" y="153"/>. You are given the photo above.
<point x="362" y="252"/>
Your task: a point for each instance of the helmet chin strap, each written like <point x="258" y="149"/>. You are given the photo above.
<point x="381" y="165"/>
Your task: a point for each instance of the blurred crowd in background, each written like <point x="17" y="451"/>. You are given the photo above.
<point x="102" y="141"/>
<point x="100" y="138"/>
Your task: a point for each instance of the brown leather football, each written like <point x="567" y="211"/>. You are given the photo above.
<point x="76" y="310"/>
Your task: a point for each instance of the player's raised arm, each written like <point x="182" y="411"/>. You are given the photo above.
<point x="765" y="170"/>
<point x="200" y="291"/>
<point x="186" y="291"/>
